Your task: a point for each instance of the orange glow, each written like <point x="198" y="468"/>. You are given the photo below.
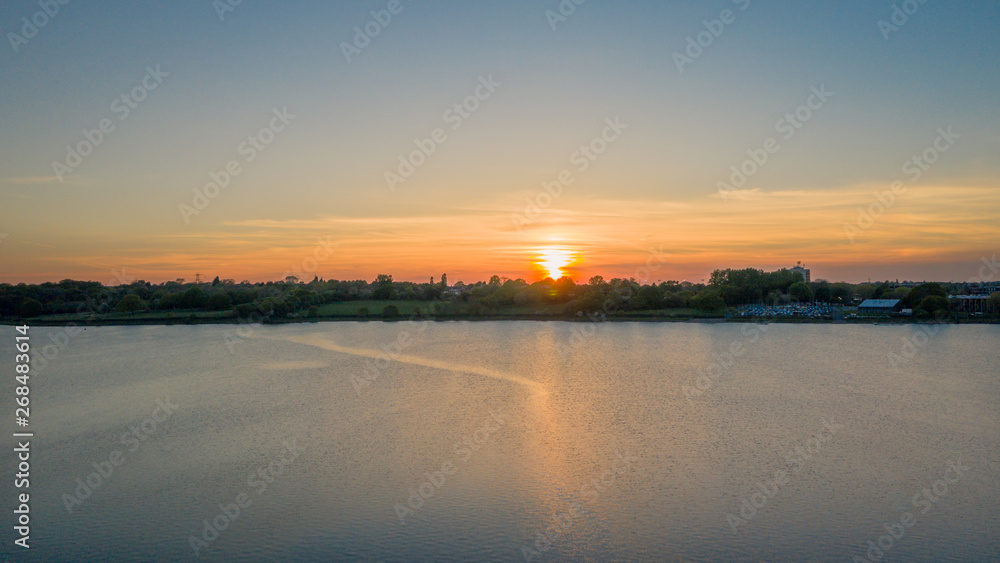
<point x="552" y="260"/>
<point x="925" y="235"/>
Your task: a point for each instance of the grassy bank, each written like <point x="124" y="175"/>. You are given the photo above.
<point x="373" y="310"/>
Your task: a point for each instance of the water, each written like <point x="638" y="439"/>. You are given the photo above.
<point x="549" y="408"/>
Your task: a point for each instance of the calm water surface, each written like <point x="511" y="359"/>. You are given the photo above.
<point x="506" y="440"/>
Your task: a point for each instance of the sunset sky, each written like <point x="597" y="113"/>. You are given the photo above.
<point x="606" y="77"/>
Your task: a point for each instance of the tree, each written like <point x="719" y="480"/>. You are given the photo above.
<point x="648" y="297"/>
<point x="244" y="310"/>
<point x="936" y="306"/>
<point x="994" y="303"/>
<point x="494" y="280"/>
<point x="193" y="298"/>
<point x="219" y="301"/>
<point x="390" y="312"/>
<point x="305" y="296"/>
<point x="801" y="292"/>
<point x="432" y="292"/>
<point x="708" y="300"/>
<point x="130" y="304"/>
<point x="751" y="285"/>
<point x="672" y="300"/>
<point x="823" y="293"/>
<point x="880" y="290"/>
<point x="444" y="281"/>
<point x="29" y="308"/>
<point x="840" y="294"/>
<point x="216" y="281"/>
<point x="275" y="306"/>
<point x="384" y="288"/>
<point x="362" y="311"/>
<point x="898" y="293"/>
<point x="739" y="286"/>
<point x="564" y="287"/>
<point x="916" y="296"/>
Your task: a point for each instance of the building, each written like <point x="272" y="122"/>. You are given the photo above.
<point x="971" y="303"/>
<point x="986" y="289"/>
<point x="453" y="292"/>
<point x="879" y="307"/>
<point x="802" y="270"/>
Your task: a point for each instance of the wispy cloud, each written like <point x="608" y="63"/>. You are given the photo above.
<point x="30" y="180"/>
<point x="928" y="224"/>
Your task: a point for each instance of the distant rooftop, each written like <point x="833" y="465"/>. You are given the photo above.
<point x="879" y="303"/>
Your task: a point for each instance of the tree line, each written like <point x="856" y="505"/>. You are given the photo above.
<point x="292" y="297"/>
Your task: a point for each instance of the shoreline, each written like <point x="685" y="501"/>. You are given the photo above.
<point x="538" y="318"/>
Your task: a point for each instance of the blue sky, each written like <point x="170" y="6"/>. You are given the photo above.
<point x="324" y="175"/>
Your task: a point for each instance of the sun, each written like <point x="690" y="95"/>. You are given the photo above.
<point x="553" y="259"/>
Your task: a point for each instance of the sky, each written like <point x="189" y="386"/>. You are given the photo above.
<point x="654" y="140"/>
